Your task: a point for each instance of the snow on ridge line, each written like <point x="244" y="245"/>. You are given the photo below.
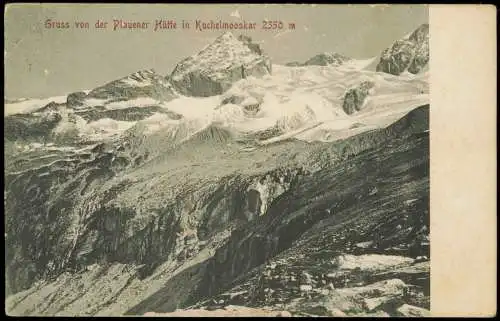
<point x="293" y="100"/>
<point x="30" y="105"/>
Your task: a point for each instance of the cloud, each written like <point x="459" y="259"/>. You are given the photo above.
<point x="46" y="72"/>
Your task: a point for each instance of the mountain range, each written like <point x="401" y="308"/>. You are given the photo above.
<point x="232" y="184"/>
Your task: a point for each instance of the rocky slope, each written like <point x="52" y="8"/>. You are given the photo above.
<point x="132" y="244"/>
<point x="409" y="54"/>
<point x="265" y="197"/>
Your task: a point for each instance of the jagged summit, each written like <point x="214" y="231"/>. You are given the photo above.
<point x="217" y="66"/>
<point x="411" y="53"/>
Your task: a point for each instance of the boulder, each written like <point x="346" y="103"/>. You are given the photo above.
<point x="373" y="304"/>
<point x="407" y="310"/>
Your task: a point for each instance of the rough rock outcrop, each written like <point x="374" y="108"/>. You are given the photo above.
<point x="215" y="68"/>
<point x="76" y="99"/>
<point x="408" y="54"/>
<point x="144" y="83"/>
<point x="354" y="98"/>
<point x="249" y="104"/>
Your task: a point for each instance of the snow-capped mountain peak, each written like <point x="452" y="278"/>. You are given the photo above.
<point x="217" y="66"/>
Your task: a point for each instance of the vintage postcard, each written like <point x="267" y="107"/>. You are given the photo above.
<point x="218" y="160"/>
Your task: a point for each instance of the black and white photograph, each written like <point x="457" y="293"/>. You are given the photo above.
<point x="217" y="160"/>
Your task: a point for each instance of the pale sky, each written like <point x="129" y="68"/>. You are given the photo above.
<point x="41" y="62"/>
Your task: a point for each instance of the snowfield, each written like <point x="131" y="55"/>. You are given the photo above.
<point x="300" y="102"/>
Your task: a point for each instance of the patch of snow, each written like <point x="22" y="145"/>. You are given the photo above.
<point x="93" y="102"/>
<point x="138" y="102"/>
<point x="103" y="128"/>
<point x="370" y="261"/>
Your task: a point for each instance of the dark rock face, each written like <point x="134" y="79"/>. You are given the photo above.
<point x="125" y="114"/>
<point x="30" y="127"/>
<point x="76" y="99"/>
<point x="355" y="97"/>
<point x="145" y="83"/>
<point x="410" y="54"/>
<point x="214" y="69"/>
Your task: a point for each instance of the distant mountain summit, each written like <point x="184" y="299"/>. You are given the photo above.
<point x="409" y="54"/>
<point x="217" y="66"/>
<point x="144" y="83"/>
<point x="327" y="58"/>
<point x="323" y="59"/>
<point x="141" y="84"/>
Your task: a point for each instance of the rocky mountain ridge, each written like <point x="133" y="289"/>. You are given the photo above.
<point x="409" y="54"/>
